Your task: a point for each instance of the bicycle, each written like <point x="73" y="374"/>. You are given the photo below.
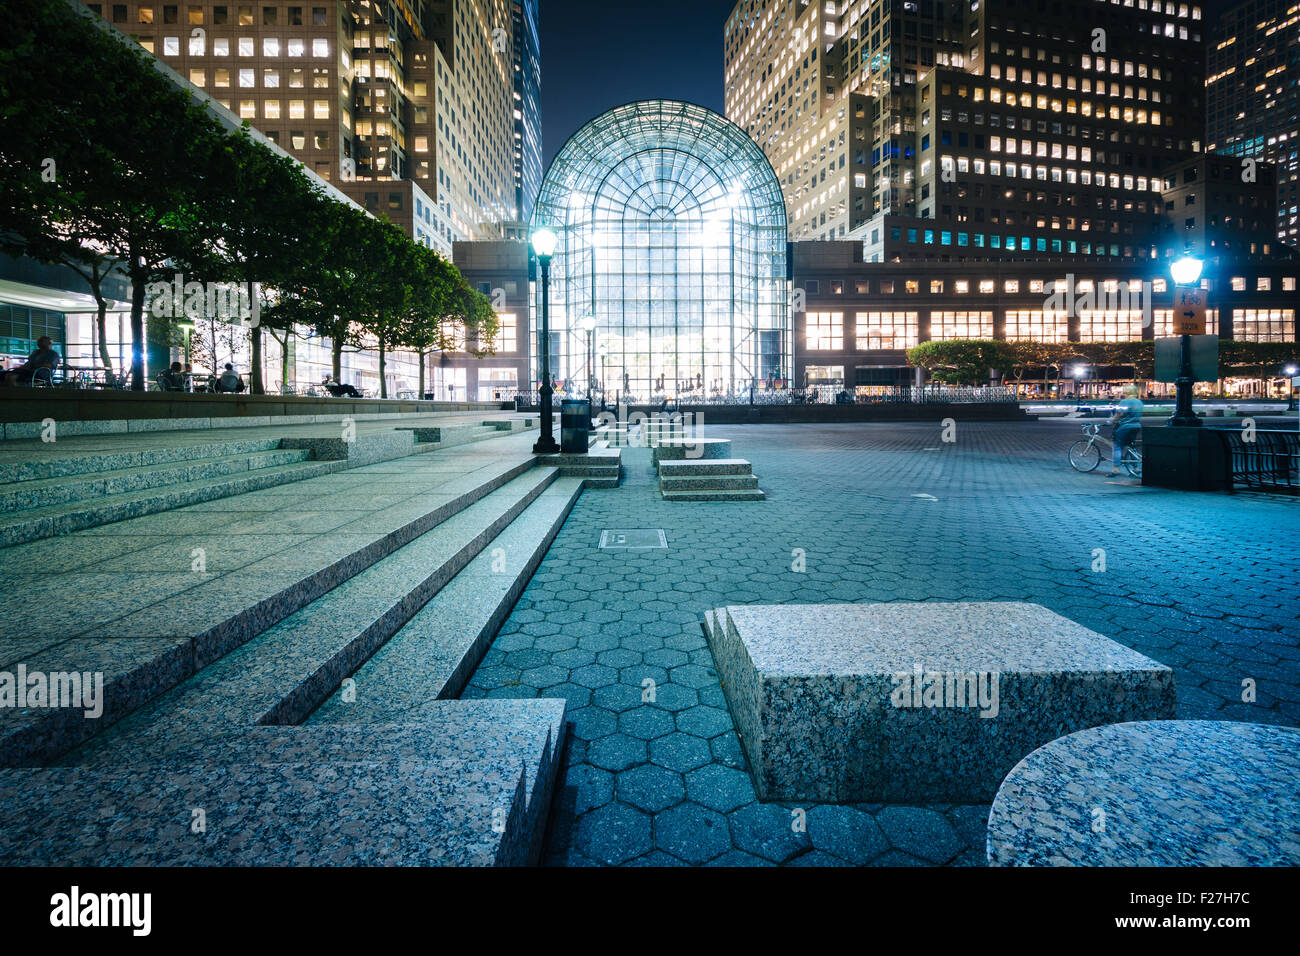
<point x="1085" y="454"/>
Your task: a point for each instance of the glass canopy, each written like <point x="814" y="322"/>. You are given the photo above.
<point x="672" y="235"/>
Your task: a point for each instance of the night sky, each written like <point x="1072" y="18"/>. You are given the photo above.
<point x="597" y="54"/>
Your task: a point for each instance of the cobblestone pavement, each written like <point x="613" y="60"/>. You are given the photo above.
<point x="1206" y="583"/>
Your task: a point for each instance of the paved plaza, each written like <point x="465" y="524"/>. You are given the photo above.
<point x="1205" y="583"/>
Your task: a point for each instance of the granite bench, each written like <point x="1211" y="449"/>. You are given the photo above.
<point x="916" y="701"/>
<point x="1158" y="793"/>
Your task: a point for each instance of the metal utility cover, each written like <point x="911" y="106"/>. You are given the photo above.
<point x="633" y="539"/>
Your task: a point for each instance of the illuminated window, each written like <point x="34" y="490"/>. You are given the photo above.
<point x="1035" y="325"/>
<point x="506" y="339"/>
<point x="824" y="331"/>
<point x="885" y="330"/>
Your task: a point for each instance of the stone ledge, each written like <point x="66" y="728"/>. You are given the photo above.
<point x="821" y="694"/>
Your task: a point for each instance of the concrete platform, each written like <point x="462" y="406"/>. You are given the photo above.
<point x="916" y="701"/>
<point x="680" y="449"/>
<point x="1165" y="793"/>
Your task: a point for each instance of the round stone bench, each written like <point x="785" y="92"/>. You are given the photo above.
<point x="1153" y="793"/>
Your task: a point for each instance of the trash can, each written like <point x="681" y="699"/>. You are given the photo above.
<point x="575" y="426"/>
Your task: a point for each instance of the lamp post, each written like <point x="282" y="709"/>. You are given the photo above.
<point x="544" y="242"/>
<point x="1185" y="272"/>
<point x="589" y="326"/>
<point x="1290" y="372"/>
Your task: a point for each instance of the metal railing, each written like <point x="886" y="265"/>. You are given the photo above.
<point x="1269" y="463"/>
<point x="813" y="395"/>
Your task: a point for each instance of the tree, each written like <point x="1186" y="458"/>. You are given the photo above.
<point x="961" y="361"/>
<point x="433" y="291"/>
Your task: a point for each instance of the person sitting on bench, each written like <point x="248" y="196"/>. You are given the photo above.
<point x="230" y="380"/>
<point x="337" y="390"/>
<point x="44" y="356"/>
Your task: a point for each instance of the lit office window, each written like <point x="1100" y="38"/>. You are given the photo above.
<point x="824" y="331"/>
<point x="885" y="330"/>
<point x="945" y="326"/>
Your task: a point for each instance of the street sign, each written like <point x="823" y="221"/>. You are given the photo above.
<point x="1205" y="358"/>
<point x="1189" y="311"/>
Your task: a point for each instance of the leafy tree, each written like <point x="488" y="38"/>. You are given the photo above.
<point x="961" y="361"/>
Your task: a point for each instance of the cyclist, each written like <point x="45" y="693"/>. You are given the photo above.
<point x="1128" y="424"/>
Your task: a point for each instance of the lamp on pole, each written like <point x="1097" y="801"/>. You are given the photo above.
<point x="1290" y="372"/>
<point x="589" y="326"/>
<point x="1185" y="272"/>
<point x="544" y="242"/>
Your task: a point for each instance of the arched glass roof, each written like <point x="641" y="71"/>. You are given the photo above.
<point x="672" y="233"/>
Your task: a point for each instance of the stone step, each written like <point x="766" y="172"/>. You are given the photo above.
<point x="44" y="492"/>
<point x="143" y="648"/>
<point x="47" y="464"/>
<point x="737" y="495"/>
<point x="709" y="483"/>
<point x="705" y="466"/>
<point x="439" y="648"/>
<point x="284" y="673"/>
<point x="692" y="449"/>
<point x="463" y="783"/>
<point x="60" y="519"/>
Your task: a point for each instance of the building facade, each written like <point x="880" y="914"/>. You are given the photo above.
<point x="1253" y="96"/>
<point x="860" y="318"/>
<point x="500" y="270"/>
<point x="946" y="131"/>
<point x="364" y="93"/>
<point x="527" y="108"/>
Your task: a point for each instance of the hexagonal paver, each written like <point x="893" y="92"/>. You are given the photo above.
<point x="650" y="788"/>
<point x="544" y="676"/>
<point x="527" y="659"/>
<point x="706" y="722"/>
<point x="618" y="658"/>
<point x="766" y="830"/>
<point x="691" y="832"/>
<point x="592" y="787"/>
<point x="720" y="788"/>
<point x="674" y="697"/>
<point x="666" y="657"/>
<point x="592" y="723"/>
<point x="847" y="833"/>
<point x="693" y="675"/>
<point x="617" y="697"/>
<point x="680" y="752"/>
<point x="726" y="750"/>
<point x="594" y="675"/>
<point x="918" y="831"/>
<point x="613" y="834"/>
<point x="576" y="696"/>
<point x="645" y="722"/>
<point x="573" y="658"/>
<point x="616" y="752"/>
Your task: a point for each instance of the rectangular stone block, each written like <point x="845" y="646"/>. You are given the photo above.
<point x="916" y="701"/>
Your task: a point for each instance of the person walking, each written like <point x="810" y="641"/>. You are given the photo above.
<point x="1128" y="425"/>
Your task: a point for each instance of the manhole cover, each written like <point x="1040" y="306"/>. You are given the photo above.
<point x="633" y="539"/>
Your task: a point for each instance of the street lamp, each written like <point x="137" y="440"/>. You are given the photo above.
<point x="544" y="242"/>
<point x="1290" y="371"/>
<point x="589" y="326"/>
<point x="1185" y="272"/>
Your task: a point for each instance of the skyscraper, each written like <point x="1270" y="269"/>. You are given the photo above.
<point x="527" y="108"/>
<point x="948" y="131"/>
<point x="406" y="105"/>
<point x="1253" y="96"/>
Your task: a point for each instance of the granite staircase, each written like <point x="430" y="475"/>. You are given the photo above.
<point x="51" y="496"/>
<point x="329" y="668"/>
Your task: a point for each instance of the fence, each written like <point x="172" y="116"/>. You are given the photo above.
<point x="812" y="395"/>
<point x="1269" y="463"/>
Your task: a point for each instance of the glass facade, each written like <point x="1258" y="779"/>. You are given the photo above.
<point x="672" y="234"/>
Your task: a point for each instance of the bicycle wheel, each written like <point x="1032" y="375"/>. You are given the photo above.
<point x="1132" y="462"/>
<point x="1084" y="455"/>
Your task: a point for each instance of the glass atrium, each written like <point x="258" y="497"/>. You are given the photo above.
<point x="672" y="235"/>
